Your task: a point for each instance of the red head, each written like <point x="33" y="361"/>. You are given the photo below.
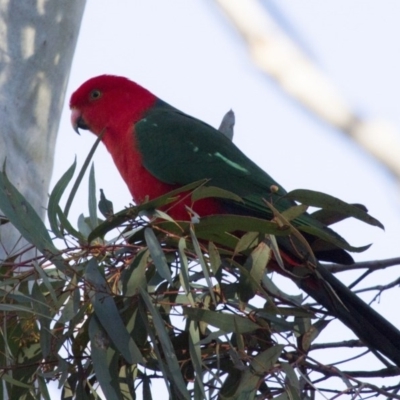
<point x="109" y="102"/>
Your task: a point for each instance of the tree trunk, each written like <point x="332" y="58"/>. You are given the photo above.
<point x="37" y="43"/>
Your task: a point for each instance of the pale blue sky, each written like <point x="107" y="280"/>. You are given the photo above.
<point x="190" y="56"/>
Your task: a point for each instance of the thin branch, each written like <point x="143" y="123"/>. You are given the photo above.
<point x="332" y="345"/>
<point x="374" y="265"/>
<point x="278" y="56"/>
<point x="333" y="371"/>
<point x="380" y="288"/>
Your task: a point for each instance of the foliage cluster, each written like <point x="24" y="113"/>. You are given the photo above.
<point x="128" y="298"/>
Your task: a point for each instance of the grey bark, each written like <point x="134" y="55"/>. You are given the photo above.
<point x="37" y="43"/>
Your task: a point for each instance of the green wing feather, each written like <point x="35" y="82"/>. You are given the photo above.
<point x="179" y="149"/>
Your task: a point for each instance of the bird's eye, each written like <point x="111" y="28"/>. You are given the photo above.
<point x="95" y="94"/>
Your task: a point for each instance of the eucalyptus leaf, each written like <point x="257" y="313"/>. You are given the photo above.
<point x="98" y="340"/>
<point x="135" y="276"/>
<point x="329" y="217"/>
<point x="325" y="201"/>
<point x="312" y="333"/>
<point x="81" y="174"/>
<point x="203" y="264"/>
<point x="92" y="198"/>
<point x="109" y="316"/>
<point x="184" y="271"/>
<point x="247" y="241"/>
<point x="166" y="344"/>
<point x="22" y="215"/>
<point x="255" y="265"/>
<point x="292" y="381"/>
<point x="195" y="355"/>
<point x="68" y="226"/>
<point x="40" y="308"/>
<point x="204" y="192"/>
<point x="294" y="212"/>
<point x="215" y="258"/>
<point x="105" y="206"/>
<point x="223" y="321"/>
<point x="84" y="228"/>
<point x="55" y="197"/>
<point x="157" y="254"/>
<point x="266" y="360"/>
<point x="42" y="273"/>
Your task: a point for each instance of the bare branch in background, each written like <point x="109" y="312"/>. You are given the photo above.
<point x="277" y="55"/>
<point x="370" y="265"/>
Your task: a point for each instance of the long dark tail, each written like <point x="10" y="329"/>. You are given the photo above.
<point x="374" y="330"/>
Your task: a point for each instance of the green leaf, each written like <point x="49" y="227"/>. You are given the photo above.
<point x="15" y="382"/>
<point x="40" y="308"/>
<point x="259" y="367"/>
<point x="99" y="346"/>
<point x="105" y="206"/>
<point x="171" y="196"/>
<point x="203" y="264"/>
<point x="281" y="324"/>
<point x="109" y="316"/>
<point x="81" y="174"/>
<point x="157" y="254"/>
<point x="329" y="217"/>
<point x="226" y="322"/>
<point x="332" y="238"/>
<point x="255" y="264"/>
<point x="68" y="311"/>
<point x="67" y="225"/>
<point x="203" y="192"/>
<point x="26" y="220"/>
<point x="92" y="199"/>
<point x="131" y="213"/>
<point x="150" y="330"/>
<point x="16" y="308"/>
<point x="266" y="360"/>
<point x="276" y="292"/>
<point x="312" y="333"/>
<point x="294" y="212"/>
<point x="114" y="221"/>
<point x="215" y="258"/>
<point x="247" y="241"/>
<point x="184" y="271"/>
<point x="195" y="355"/>
<point x="234" y="223"/>
<point x="55" y="197"/>
<point x="135" y="276"/>
<point x="259" y="257"/>
<point x="166" y="344"/>
<point x="42" y="273"/>
<point x="83" y="226"/>
<point x="291" y="381"/>
<point x="325" y="201"/>
<point x="44" y="392"/>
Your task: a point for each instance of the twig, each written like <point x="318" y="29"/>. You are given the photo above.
<point x="333" y="371"/>
<point x="380" y="288"/>
<point x="278" y="56"/>
<point x="332" y="345"/>
<point x="370" y="265"/>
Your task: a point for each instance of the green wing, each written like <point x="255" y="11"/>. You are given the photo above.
<point x="179" y="149"/>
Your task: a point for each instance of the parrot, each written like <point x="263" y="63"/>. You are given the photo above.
<point x="158" y="148"/>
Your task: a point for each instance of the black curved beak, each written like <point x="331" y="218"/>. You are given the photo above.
<point x="77" y="121"/>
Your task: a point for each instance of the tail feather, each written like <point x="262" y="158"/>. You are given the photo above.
<point x="374" y="330"/>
